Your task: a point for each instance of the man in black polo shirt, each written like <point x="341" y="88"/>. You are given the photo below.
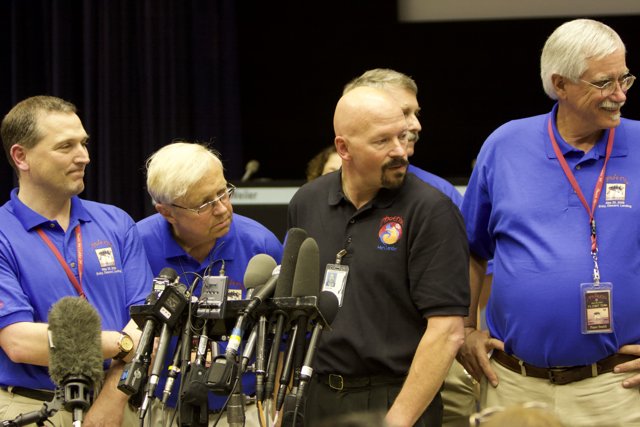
<point x="396" y="252"/>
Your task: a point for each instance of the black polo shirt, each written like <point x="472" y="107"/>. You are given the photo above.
<point x="408" y="259"/>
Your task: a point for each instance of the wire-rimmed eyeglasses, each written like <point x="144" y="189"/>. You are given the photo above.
<point x="609" y="86"/>
<point x="207" y="206"/>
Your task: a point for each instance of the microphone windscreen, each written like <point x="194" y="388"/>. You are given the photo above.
<point x="295" y="237"/>
<point x="328" y="305"/>
<point x="259" y="270"/>
<point x="169" y="274"/>
<point x="75" y="341"/>
<point x="306" y="279"/>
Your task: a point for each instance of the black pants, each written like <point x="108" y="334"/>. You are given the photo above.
<point x="324" y="405"/>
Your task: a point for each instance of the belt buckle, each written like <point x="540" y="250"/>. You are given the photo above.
<point x="333" y="379"/>
<point x="556" y="378"/>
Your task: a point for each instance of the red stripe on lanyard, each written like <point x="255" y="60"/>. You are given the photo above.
<point x="574" y="184"/>
<point x="76" y="284"/>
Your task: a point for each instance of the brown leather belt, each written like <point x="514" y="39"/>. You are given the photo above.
<point x="561" y="376"/>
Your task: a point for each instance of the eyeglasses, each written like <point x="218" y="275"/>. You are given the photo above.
<point x="206" y="207"/>
<point x="607" y="87"/>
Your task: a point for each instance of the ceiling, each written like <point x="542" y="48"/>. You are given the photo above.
<point x="460" y="10"/>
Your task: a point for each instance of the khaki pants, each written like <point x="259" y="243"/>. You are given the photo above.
<point x="600" y="401"/>
<point x="12" y="405"/>
<point x="160" y="416"/>
<point x="460" y="396"/>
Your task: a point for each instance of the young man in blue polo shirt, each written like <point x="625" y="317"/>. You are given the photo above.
<point x="196" y="232"/>
<point x="54" y="244"/>
<point x="553" y="199"/>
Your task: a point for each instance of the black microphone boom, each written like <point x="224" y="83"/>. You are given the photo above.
<point x="295" y="238"/>
<point x="306" y="283"/>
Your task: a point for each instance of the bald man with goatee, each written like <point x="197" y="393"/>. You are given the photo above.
<point x="395" y="254"/>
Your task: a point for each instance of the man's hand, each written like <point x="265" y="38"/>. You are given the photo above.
<point x="634" y="365"/>
<point x="105" y="412"/>
<point x="108" y="408"/>
<point x="473" y="354"/>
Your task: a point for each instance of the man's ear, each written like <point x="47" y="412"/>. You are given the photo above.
<point x="559" y="84"/>
<point x="342" y="147"/>
<point x="165" y="212"/>
<point x="19" y="156"/>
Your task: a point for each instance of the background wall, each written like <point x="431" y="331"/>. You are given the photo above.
<point x="472" y="77"/>
<point x="280" y="70"/>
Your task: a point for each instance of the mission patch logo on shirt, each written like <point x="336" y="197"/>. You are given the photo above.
<point x="106" y="259"/>
<point x="390" y="232"/>
<point x="615" y="193"/>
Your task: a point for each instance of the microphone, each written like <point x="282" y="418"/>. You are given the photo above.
<point x="259" y="270"/>
<point x="328" y="306"/>
<point x="259" y="296"/>
<point x="174" y="370"/>
<point x="293" y="242"/>
<point x="75" y="352"/>
<point x="295" y="237"/>
<point x="306" y="282"/>
<point x="166" y="276"/>
<point x="169" y="310"/>
<point x="251" y="168"/>
<point x="135" y="372"/>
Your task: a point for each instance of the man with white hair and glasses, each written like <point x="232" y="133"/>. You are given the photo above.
<point x="553" y="200"/>
<point x="195" y="232"/>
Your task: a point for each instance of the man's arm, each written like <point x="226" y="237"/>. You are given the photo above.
<point x="28" y="342"/>
<point x="431" y="362"/>
<point x="108" y="408"/>
<point x="473" y="353"/>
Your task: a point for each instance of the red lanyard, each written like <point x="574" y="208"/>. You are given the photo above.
<point x="76" y="284"/>
<point x="596" y="191"/>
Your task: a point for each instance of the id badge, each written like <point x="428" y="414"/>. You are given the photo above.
<point x="335" y="280"/>
<point x="597" y="309"/>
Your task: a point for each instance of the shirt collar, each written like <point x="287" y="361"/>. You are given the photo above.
<point x="223" y="249"/>
<point x="31" y="219"/>
<point x="383" y="199"/>
<point x="620" y="147"/>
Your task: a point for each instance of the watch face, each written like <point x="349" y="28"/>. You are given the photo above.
<point x="126" y="343"/>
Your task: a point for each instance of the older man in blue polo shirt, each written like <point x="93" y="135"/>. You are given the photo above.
<point x="553" y="199"/>
<point x="196" y="232"/>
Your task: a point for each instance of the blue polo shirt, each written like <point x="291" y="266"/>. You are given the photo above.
<point x="438" y="183"/>
<point x="245" y="239"/>
<point x="116" y="273"/>
<point x="521" y="210"/>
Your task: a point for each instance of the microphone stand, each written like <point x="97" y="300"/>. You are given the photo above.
<point x="49" y="409"/>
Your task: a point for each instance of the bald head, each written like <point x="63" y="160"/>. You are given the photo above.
<point x="361" y="107"/>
